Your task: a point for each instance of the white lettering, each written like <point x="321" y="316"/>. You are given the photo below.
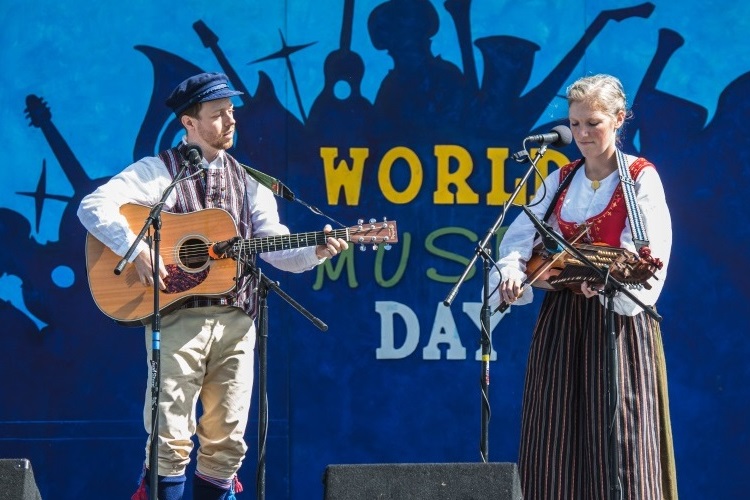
<point x="388" y="349"/>
<point x="444" y="331"/>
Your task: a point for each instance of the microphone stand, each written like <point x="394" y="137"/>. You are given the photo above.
<point x="485" y="340"/>
<point x="264" y="285"/>
<point x="611" y="287"/>
<point x="154" y="220"/>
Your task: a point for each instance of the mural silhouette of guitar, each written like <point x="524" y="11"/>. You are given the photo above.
<point x="40" y="116"/>
<point x="340" y="115"/>
<point x="51" y="276"/>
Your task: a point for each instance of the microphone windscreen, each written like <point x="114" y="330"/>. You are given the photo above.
<point x="566" y="136"/>
<point x="193" y="152"/>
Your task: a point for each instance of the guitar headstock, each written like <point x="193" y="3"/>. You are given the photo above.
<point x="373" y="233"/>
<point x="37" y="111"/>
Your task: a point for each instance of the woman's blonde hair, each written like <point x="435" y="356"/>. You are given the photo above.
<point x="603" y="92"/>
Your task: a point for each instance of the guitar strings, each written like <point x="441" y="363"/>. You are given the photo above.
<point x="263" y="244"/>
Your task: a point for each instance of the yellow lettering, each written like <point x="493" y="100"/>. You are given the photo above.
<point x="498" y="156"/>
<point x="416" y="175"/>
<point x="464" y="194"/>
<point x="342" y="177"/>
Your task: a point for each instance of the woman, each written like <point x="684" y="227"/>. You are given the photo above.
<point x="564" y="440"/>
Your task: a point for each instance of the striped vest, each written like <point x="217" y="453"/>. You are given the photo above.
<point x="216" y="188"/>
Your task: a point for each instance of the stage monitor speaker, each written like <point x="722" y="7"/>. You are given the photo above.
<point x="449" y="481"/>
<point x="17" y="480"/>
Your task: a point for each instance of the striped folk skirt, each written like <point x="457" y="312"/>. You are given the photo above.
<point x="564" y="442"/>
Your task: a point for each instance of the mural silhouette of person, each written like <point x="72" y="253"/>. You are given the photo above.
<point x="501" y="107"/>
<point x="207" y="347"/>
<point x="423" y="93"/>
<point x="565" y="428"/>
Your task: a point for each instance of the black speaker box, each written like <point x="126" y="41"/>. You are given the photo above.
<point x="17" y="480"/>
<point x="449" y="481"/>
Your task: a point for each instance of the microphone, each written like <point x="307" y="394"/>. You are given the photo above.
<point x="545" y="231"/>
<point x="221" y="249"/>
<point x="559" y="136"/>
<point x="193" y="153"/>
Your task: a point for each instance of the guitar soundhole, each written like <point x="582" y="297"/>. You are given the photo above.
<point x="193" y="254"/>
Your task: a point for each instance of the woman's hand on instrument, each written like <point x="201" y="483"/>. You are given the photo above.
<point x="511" y="290"/>
<point x="588" y="290"/>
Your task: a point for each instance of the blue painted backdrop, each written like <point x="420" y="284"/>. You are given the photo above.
<point x="434" y="102"/>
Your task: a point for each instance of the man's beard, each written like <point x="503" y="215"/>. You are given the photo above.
<point x="223" y="142"/>
<point x="218" y="142"/>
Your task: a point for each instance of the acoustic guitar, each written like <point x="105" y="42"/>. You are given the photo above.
<point x="188" y="250"/>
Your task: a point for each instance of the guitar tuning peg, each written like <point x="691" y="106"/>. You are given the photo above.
<point x="362" y="248"/>
<point x="375" y="246"/>
<point x="387" y="247"/>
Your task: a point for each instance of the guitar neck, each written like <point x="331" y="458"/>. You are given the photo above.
<point x="289" y="241"/>
<point x="345" y="40"/>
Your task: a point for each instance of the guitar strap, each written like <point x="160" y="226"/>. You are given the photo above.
<point x="272" y="183"/>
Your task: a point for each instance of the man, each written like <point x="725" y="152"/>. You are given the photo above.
<point x="207" y="344"/>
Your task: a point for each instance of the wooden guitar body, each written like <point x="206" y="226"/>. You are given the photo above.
<point x="187" y="249"/>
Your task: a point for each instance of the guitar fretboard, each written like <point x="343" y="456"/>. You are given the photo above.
<point x="288" y="241"/>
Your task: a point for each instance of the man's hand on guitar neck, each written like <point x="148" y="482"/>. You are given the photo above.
<point x="332" y="247"/>
<point x="144" y="267"/>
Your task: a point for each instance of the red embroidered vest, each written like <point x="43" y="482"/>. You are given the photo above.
<point x="606" y="227"/>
